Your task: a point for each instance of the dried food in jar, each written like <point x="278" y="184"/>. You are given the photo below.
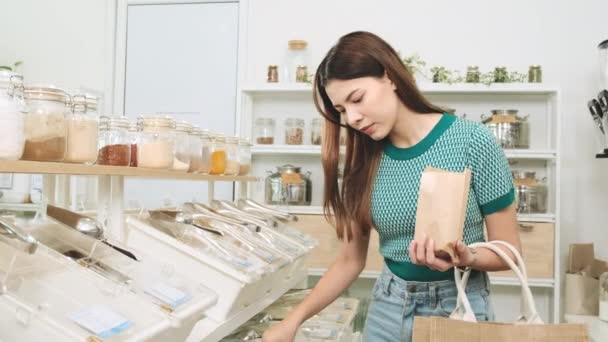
<point x="115" y="155"/>
<point x="82" y="141"/>
<point x="232" y="168"/>
<point x="155" y="155"/>
<point x="218" y="162"/>
<point x="133" y="160"/>
<point x="244" y="169"/>
<point x="294" y="136"/>
<point x="265" y="140"/>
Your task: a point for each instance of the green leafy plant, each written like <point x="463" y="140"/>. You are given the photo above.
<point x="11" y="68"/>
<point x="414" y="64"/>
<point x="442" y="74"/>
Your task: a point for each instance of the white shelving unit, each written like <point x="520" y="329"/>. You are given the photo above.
<point x="540" y="101"/>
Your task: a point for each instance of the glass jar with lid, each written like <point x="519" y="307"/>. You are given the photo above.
<point x="244" y="157"/>
<point x="133" y="140"/>
<point x="45" y="123"/>
<point x="12" y="135"/>
<point x="294" y="131"/>
<point x="181" y="148"/>
<point x="196" y="150"/>
<point x="82" y="140"/>
<point x="114" y="144"/>
<point x="315" y="131"/>
<point x="473" y="74"/>
<point x="297" y="61"/>
<point x="156" y="140"/>
<point x="217" y="150"/>
<point x="264" y="131"/>
<point x="232" y="156"/>
<point x="205" y="167"/>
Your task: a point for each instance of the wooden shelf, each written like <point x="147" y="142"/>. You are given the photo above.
<point x="426" y="88"/>
<point x="21" y="166"/>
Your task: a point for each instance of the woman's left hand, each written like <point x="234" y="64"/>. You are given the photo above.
<point x="423" y="253"/>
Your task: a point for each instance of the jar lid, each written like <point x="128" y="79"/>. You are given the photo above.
<point x="264" y="121"/>
<point x="7" y="77"/>
<point x="114" y="122"/>
<point x="288" y="169"/>
<point x="219" y="137"/>
<point x="156" y="121"/>
<point x="504" y="111"/>
<point x="83" y="102"/>
<point x="205" y="133"/>
<point x="183" y="126"/>
<point x="294" y="121"/>
<point x="473" y="68"/>
<point x="232" y="140"/>
<point x="297" y="44"/>
<point x="46" y="93"/>
<point x="195" y="131"/>
<point x="535" y="66"/>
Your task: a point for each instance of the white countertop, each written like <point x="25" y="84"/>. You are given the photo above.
<point x="598" y="330"/>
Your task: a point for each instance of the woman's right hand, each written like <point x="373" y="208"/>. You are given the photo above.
<point x="280" y="332"/>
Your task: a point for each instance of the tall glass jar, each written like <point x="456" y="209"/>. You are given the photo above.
<point x="196" y="150"/>
<point x="217" y="150"/>
<point x="83" y="130"/>
<point x="315" y="131"/>
<point x="12" y="137"/>
<point x="205" y="167"/>
<point x="181" y="160"/>
<point x="244" y="157"/>
<point x="133" y="140"/>
<point x="232" y="156"/>
<point x="294" y="131"/>
<point x="264" y="131"/>
<point x="114" y="144"/>
<point x="156" y="140"/>
<point x="45" y="125"/>
<point x="297" y="61"/>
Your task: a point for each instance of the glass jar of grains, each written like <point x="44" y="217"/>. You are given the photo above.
<point x="217" y="151"/>
<point x="244" y="157"/>
<point x="294" y="131"/>
<point x="45" y="125"/>
<point x="181" y="147"/>
<point x="232" y="156"/>
<point x="156" y="140"/>
<point x="83" y="130"/>
<point x="114" y="144"/>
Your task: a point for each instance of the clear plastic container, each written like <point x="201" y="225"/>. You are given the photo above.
<point x="156" y="140"/>
<point x="12" y="135"/>
<point x="244" y="157"/>
<point x="232" y="156"/>
<point x="196" y="150"/>
<point x="315" y="132"/>
<point x="217" y="151"/>
<point x="83" y="129"/>
<point x="45" y="124"/>
<point x="206" y="152"/>
<point x="114" y="143"/>
<point x="297" y="61"/>
<point x="294" y="131"/>
<point x="264" y="131"/>
<point x="181" y="160"/>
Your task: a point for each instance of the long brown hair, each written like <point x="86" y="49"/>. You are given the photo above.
<point x="357" y="54"/>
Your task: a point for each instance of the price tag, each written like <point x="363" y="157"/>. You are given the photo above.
<point x="101" y="321"/>
<point x="167" y="294"/>
<point x="291" y="178"/>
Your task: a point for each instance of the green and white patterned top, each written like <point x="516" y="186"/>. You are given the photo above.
<point x="453" y="145"/>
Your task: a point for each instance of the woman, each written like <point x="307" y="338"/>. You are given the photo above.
<point x="393" y="134"/>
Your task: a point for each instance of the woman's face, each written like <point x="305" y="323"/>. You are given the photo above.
<point x="367" y="104"/>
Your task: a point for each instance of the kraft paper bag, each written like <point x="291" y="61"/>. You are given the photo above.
<point x="582" y="295"/>
<point x="580" y="256"/>
<point x="439" y="329"/>
<point x="442" y="206"/>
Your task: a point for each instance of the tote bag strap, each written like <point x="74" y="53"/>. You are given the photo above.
<point x="463" y="310"/>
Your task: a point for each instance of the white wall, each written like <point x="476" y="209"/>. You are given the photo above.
<point x="60" y="42"/>
<point x="559" y="35"/>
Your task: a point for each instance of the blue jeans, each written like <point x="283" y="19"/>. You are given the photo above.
<point x="395" y="302"/>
